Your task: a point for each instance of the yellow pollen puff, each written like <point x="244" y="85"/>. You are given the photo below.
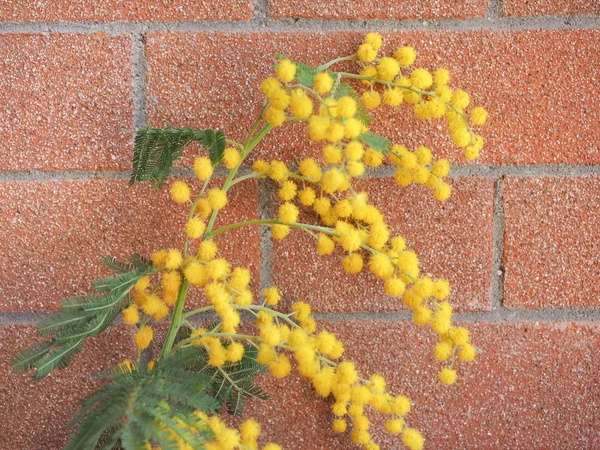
<point x="307" y="196"/>
<point x="387" y="69"/>
<point x="442" y="351"/>
<point x="274" y="116"/>
<point x="173" y="259"/>
<point x="371" y="99"/>
<point x="366" y="52"/>
<point x="239" y="279"/>
<point x="442" y="192"/>
<point x="354" y="151"/>
<point x="460" y="99"/>
<point x="234" y="352"/>
<point x="394" y="287"/>
<point x="352" y="263"/>
<point x="143" y="337"/>
<point x="231" y="157"/>
<point x="325" y="245"/>
<point x="286" y="70"/>
<point x="301" y="105"/>
<point x="217" y="198"/>
<point x="441" y="76"/>
<point x="250" y="430"/>
<point x="412" y="439"/>
<point x="323" y="83"/>
<point x="448" y="376"/>
<point x="279" y="99"/>
<point x="143" y="282"/>
<point x="207" y="250"/>
<point x="377" y="383"/>
<point x="352" y="128"/>
<point x="195" y="273"/>
<point x="343" y="208"/>
<point x="244" y="298"/>
<point x="421" y="315"/>
<point x="287" y="191"/>
<point x="368" y="71"/>
<point x="278" y="171"/>
<point x="281" y="367"/>
<point x="394" y="426"/>
<point x="440" y="168"/>
<point x="332" y="154"/>
<point x="478" y="115"/>
<point x="309" y="168"/>
<point x="203" y="168"/>
<point x="301" y="310"/>
<point x="317" y="127"/>
<point x="180" y="192"/>
<point x="467" y="353"/>
<point x="421" y="79"/>
<point x="332" y="180"/>
<point x="460" y="137"/>
<point x="471" y="154"/>
<point x="329" y="108"/>
<point x="393" y="96"/>
<point x="203" y="208"/>
<point x="459" y="336"/>
<point x="374" y="39"/>
<point x="271" y="295"/>
<point x="346" y="107"/>
<point x="411" y="97"/>
<point x="288" y="213"/>
<point x="355" y="168"/>
<point x="269" y="85"/>
<point x="339" y="425"/>
<point x="405" y="56"/>
<point x="381" y="266"/>
<point x="194" y="228"/>
<point x="423" y="155"/>
<point x="335" y="132"/>
<point x="372" y="158"/>
<point x="131" y="315"/>
<point x="322" y="205"/>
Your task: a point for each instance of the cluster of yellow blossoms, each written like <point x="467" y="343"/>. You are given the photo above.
<point x="342" y="218"/>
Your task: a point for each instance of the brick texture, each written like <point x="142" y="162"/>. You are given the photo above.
<point x="533" y="83"/>
<point x="453" y="240"/>
<point x="35" y="412"/>
<point x="552" y="242"/>
<point x="377" y="10"/>
<point x="55" y="232"/>
<point x="547" y="7"/>
<point x="66" y="101"/>
<point x="127" y="10"/>
<point x="532" y="387"/>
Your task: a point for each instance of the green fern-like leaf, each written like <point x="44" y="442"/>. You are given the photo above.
<point x="135" y="262"/>
<point x="26" y="359"/>
<point x="375" y="141"/>
<point x="155" y="150"/>
<point x="136" y="406"/>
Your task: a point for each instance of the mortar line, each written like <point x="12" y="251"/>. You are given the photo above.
<point x="265" y="211"/>
<point x="138" y="72"/>
<point x="22" y="317"/>
<point x="497" y="283"/>
<point x="261" y="13"/>
<point x="503" y="314"/>
<point x="264" y="24"/>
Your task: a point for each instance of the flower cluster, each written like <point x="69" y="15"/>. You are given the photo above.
<point x="338" y="216"/>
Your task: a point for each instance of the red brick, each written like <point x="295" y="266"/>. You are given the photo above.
<point x="532" y="387"/>
<point x="411" y="9"/>
<point x="552" y="242"/>
<point x="55" y="232"/>
<point x="34" y="413"/>
<point x="453" y="240"/>
<point x="537" y="85"/>
<point x="128" y="10"/>
<point x="548" y="7"/>
<point x="66" y="101"/>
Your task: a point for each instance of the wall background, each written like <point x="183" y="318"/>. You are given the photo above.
<point x="520" y="239"/>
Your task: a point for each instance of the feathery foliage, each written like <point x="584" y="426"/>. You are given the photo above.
<point x="375" y="141"/>
<point x="80" y="318"/>
<point x="155" y="150"/>
<point x="137" y="405"/>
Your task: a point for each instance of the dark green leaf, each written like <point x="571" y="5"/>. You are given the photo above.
<point x="375" y="141"/>
<point x="26" y="358"/>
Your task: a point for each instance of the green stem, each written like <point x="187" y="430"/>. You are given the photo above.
<point x="247" y="177"/>
<point x="175" y="320"/>
<point x="336" y="60"/>
<point x="272" y="222"/>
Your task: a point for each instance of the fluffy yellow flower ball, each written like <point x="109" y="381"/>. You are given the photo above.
<point x="346" y="107"/>
<point x="388" y="68"/>
<point x="217" y="198"/>
<point x="286" y="70"/>
<point x="194" y="228"/>
<point x="231" y="157"/>
<point x="143" y="337"/>
<point x="288" y="213"/>
<point x="405" y="56"/>
<point x="180" y="192"/>
<point x="371" y="99"/>
<point x="366" y="52"/>
<point x="131" y="315"/>
<point x="421" y="79"/>
<point x="448" y="376"/>
<point x="323" y="83"/>
<point x="203" y="168"/>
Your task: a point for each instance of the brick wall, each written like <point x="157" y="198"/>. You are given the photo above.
<point x="519" y="240"/>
